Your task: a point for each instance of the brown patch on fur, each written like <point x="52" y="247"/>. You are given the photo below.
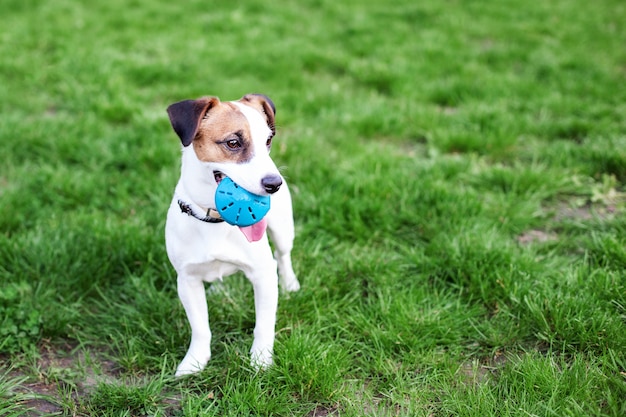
<point x="209" y="125"/>
<point x="222" y="123"/>
<point x="186" y="115"/>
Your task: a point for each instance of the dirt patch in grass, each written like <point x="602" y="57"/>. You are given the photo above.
<point x="58" y="367"/>
<point x="535" y="236"/>
<point x="565" y="211"/>
<point x="476" y="372"/>
<point x="589" y="211"/>
<point x="323" y="411"/>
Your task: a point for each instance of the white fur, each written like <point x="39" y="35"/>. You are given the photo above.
<point x="204" y="252"/>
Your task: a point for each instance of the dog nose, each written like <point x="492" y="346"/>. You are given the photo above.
<point x="272" y="183"/>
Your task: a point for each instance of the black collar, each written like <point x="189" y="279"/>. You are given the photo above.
<point x="212" y="216"/>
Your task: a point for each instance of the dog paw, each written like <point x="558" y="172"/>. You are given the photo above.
<point x="288" y="281"/>
<point x="191" y="365"/>
<point x="261" y="360"/>
<point x="291" y="285"/>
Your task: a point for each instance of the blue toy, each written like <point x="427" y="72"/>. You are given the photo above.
<point x="238" y="206"/>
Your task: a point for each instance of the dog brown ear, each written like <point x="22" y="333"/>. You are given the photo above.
<point x="264" y="105"/>
<point x="185" y="116"/>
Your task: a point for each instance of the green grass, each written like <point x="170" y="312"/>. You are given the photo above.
<point x="459" y="181"/>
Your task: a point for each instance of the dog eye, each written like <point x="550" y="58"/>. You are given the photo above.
<point x="233" y="144"/>
<point x="268" y="143"/>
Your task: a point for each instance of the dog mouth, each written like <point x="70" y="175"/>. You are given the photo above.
<point x="219" y="176"/>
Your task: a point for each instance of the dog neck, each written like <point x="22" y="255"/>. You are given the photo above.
<point x="195" y="192"/>
<point x="197" y="185"/>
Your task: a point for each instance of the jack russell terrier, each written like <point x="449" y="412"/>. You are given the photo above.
<point x="228" y="142"/>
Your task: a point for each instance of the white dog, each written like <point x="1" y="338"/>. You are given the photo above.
<point x="227" y="139"/>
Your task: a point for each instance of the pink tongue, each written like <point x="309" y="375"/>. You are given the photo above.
<point x="254" y="232"/>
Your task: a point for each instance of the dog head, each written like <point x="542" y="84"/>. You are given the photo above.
<point x="230" y="139"/>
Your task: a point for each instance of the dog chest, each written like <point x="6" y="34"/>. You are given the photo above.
<point x="211" y="271"/>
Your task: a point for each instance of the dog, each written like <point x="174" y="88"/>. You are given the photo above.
<point x="228" y="139"/>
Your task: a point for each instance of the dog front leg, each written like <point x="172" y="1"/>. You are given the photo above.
<point x="265" y="304"/>
<point x="288" y="280"/>
<point x="192" y="295"/>
<point x="281" y="231"/>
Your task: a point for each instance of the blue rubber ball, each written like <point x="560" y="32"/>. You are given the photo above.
<point x="238" y="206"/>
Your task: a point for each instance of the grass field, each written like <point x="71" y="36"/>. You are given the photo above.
<point x="458" y="171"/>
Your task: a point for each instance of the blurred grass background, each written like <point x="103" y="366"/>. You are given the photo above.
<point x="458" y="176"/>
